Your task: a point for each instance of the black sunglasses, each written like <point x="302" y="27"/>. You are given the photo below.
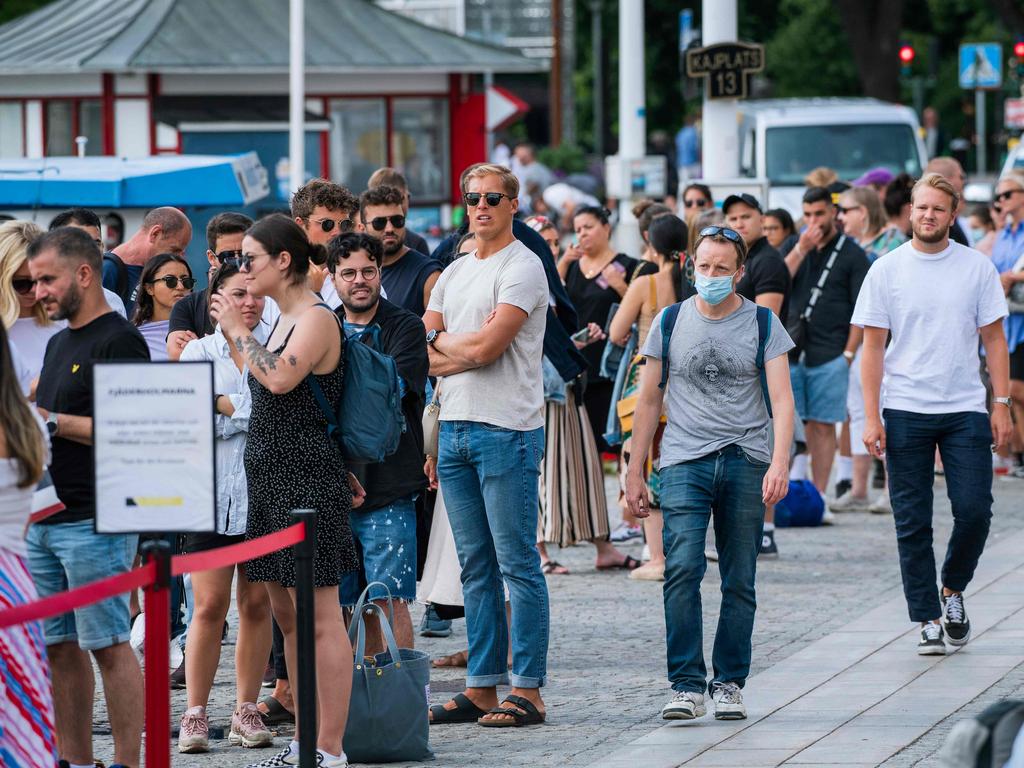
<point x="232" y="257"/>
<point x="349" y="275"/>
<point x="171" y="281"/>
<point x="1007" y="194"/>
<point x="327" y="225"/>
<point x="23" y="285"/>
<point x="472" y="199"/>
<point x="847" y="210"/>
<point x="379" y="222"/>
<point x="698" y="203"/>
<point x="728" y="234"/>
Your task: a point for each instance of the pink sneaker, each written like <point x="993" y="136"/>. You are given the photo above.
<point x="194" y="734"/>
<point x="247" y="728"/>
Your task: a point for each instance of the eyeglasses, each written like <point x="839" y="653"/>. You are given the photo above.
<point x="229" y="257"/>
<point x="379" y="222"/>
<point x="171" y="281"/>
<point x="472" y="199"/>
<point x="1007" y="194"/>
<point x="367" y="273"/>
<point x="728" y="234"/>
<point x="847" y="210"/>
<point x="23" y="285"/>
<point x="701" y="203"/>
<point x="327" y="225"/>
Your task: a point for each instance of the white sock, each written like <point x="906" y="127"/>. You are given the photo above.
<point x="294" y="747"/>
<point x="799" y="469"/>
<point x="769" y="527"/>
<point x="329" y="756"/>
<point x="844" y="468"/>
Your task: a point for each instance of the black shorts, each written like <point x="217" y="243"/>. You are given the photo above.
<point x="1017" y="363"/>
<point x="201" y="542"/>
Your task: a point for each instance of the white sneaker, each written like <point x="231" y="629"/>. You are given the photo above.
<point x="685" y="705"/>
<point x="323" y="760"/>
<point x="728" y="701"/>
<point x="828" y="517"/>
<point x="645" y="554"/>
<point x="881" y="505"/>
<point x="626" y="533"/>
<point x="850" y="503"/>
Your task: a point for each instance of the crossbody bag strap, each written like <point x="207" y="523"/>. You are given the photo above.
<point x="764" y="331"/>
<point x="823" y="278"/>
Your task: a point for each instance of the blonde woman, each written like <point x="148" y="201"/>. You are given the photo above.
<point x="864" y="219"/>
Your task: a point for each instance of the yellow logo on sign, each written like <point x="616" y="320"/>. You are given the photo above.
<point x="155" y="501"/>
<point x="75" y="367"/>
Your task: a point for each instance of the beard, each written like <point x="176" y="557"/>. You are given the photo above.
<point x="935" y="237"/>
<point x="69" y="304"/>
<point x="391" y="250"/>
<point x="361" y="304"/>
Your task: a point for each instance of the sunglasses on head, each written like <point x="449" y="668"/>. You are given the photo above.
<point x="229" y="257"/>
<point x="23" y="285"/>
<point x="472" y="199"/>
<point x="695" y="203"/>
<point x="728" y="234"/>
<point x="379" y="222"/>
<point x="349" y="275"/>
<point x="1007" y="194"/>
<point x="327" y="225"/>
<point x="171" y="281"/>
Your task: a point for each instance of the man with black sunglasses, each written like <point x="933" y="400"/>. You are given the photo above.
<point x="190" y="317"/>
<point x="324" y="210"/>
<point x="408" y="276"/>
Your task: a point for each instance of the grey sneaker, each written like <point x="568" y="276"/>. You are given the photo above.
<point x="728" y="701"/>
<point x="194" y="732"/>
<point x="850" y="503"/>
<point x="248" y="729"/>
<point x="433" y="625"/>
<point x="931" y="643"/>
<point x="685" y="705"/>
<point x="954" y="620"/>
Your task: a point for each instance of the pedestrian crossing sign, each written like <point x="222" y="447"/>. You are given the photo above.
<point x="981" y="65"/>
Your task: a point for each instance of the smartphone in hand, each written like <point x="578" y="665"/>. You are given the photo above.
<point x="581" y="336"/>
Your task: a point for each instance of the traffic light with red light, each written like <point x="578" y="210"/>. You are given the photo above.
<point x="1018" y="55"/>
<point x="906" y="54"/>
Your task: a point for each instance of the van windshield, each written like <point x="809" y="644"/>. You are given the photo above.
<point x="850" y="150"/>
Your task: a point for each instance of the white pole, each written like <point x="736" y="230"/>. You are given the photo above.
<point x="720" y="156"/>
<point x="296" y="95"/>
<point x="632" y="110"/>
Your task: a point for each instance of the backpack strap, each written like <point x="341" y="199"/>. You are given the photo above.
<point x="764" y="331"/>
<point x="333" y="425"/>
<point x="668" y="324"/>
<point x="122" y="274"/>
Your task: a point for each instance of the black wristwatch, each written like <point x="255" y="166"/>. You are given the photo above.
<point x="432" y="336"/>
<point x="51" y="424"/>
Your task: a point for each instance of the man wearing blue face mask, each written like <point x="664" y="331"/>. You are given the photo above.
<point x="718" y="364"/>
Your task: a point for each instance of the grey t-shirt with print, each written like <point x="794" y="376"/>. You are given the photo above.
<point x="713" y="396"/>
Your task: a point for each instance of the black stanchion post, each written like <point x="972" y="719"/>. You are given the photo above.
<point x="305" y="551"/>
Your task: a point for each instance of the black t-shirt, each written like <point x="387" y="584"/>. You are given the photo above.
<point x="416" y="242"/>
<point x="829" y="326"/>
<point x="403" y="337"/>
<point x="112" y="279"/>
<point x="593" y="299"/>
<point x="191" y="314"/>
<point x="65" y="386"/>
<point x="766" y="272"/>
<point x="404" y="280"/>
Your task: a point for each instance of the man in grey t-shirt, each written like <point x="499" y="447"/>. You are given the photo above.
<point x="715" y="459"/>
<point x="485" y="335"/>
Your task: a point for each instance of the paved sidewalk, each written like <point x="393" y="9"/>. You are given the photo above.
<point x="834" y="666"/>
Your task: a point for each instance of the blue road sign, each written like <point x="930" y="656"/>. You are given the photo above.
<point x="981" y="65"/>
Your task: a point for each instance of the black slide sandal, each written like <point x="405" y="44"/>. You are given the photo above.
<point x="465" y="712"/>
<point x="529" y="716"/>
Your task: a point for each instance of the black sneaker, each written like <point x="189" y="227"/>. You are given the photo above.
<point x="954" y="619"/>
<point x="433" y="625"/>
<point x="842" y="487"/>
<point x="931" y="643"/>
<point x="768" y="547"/>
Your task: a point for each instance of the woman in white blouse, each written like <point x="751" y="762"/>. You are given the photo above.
<point x="212" y="589"/>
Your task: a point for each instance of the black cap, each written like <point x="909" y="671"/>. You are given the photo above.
<point x="743" y="197"/>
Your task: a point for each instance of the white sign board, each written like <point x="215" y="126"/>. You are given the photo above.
<point x="636" y="177"/>
<point x="1013" y="111"/>
<point x="154" y="447"/>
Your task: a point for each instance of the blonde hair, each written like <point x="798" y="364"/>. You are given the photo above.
<point x="939" y="182"/>
<point x="18" y="423"/>
<point x="509" y="182"/>
<point x="15" y="237"/>
<point x="821" y="176"/>
<point x="1014" y="177"/>
<point x="868" y="199"/>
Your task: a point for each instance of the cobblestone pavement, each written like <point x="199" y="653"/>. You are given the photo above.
<point x="607" y="655"/>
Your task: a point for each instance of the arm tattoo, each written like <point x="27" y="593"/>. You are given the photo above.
<point x="292" y="361"/>
<point x="259" y="356"/>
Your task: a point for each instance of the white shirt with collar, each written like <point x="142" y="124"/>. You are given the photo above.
<point x="231" y="431"/>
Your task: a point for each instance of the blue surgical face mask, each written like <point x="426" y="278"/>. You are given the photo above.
<point x="978" y="233"/>
<point x="714" y="290"/>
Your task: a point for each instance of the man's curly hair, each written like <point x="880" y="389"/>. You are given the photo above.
<point x="334" y="197"/>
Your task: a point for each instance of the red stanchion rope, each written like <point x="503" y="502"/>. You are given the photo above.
<point x="236" y="553"/>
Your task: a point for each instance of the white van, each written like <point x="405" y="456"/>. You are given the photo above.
<point x="781" y="140"/>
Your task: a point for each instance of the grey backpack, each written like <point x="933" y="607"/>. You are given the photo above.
<point x="985" y="741"/>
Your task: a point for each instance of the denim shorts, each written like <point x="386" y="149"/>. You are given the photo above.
<point x="64" y="556"/>
<point x="386" y="538"/>
<point x="820" y="392"/>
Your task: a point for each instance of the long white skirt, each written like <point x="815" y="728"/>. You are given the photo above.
<point x="442" y="574"/>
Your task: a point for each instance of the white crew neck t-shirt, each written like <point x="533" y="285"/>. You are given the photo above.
<point x="933" y="304"/>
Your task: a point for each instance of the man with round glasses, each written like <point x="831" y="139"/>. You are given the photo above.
<point x="408" y="276"/>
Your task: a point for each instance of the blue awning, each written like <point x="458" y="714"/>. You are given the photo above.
<point x="145" y="182"/>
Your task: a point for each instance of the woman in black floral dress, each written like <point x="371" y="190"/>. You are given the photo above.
<point x="290" y="462"/>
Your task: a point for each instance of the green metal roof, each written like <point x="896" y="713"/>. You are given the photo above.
<point x="236" y="37"/>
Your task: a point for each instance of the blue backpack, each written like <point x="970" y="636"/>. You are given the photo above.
<point x="369" y="422"/>
<point x="764" y="329"/>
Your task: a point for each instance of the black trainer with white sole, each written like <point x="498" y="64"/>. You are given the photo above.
<point x="931" y="643"/>
<point x="954" y="619"/>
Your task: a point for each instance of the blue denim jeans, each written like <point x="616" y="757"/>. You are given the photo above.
<point x="725" y="484"/>
<point x="489" y="478"/>
<point x="964" y="441"/>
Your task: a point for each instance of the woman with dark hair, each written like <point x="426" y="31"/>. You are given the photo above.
<point x="291" y="462"/>
<point x="27" y="737"/>
<point x="596" y="277"/>
<point x="212" y="589"/>
<point x="646" y="297"/>
<point x="166" y="279"/>
<point x="697" y="198"/>
<point x="896" y="202"/>
<point x="779" y="229"/>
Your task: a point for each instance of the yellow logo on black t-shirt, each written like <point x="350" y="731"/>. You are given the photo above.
<point x="75" y="367"/>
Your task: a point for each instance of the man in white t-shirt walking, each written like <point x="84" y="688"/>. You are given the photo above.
<point x="935" y="297"/>
<point x="485" y="335"/>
